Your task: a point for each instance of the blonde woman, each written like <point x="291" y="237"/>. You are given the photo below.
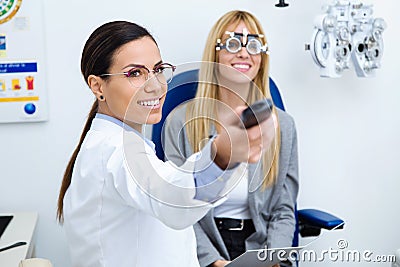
<point x="237" y="74"/>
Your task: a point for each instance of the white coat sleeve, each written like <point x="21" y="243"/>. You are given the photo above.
<point x="159" y="188"/>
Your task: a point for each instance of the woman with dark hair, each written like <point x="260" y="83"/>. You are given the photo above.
<point x="120" y="205"/>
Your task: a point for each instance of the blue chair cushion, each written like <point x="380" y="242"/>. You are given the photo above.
<point x="318" y="218"/>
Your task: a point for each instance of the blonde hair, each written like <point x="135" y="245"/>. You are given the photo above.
<point x="199" y="128"/>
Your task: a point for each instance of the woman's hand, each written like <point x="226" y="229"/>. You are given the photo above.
<point x="235" y="144"/>
<point x="220" y="263"/>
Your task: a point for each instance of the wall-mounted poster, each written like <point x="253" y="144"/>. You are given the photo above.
<point x="23" y="94"/>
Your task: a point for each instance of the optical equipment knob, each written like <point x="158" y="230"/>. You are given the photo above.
<point x="282" y="4"/>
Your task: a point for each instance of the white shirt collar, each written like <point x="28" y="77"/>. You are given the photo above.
<point x="124" y="126"/>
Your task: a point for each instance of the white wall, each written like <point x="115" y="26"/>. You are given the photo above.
<point x="348" y="127"/>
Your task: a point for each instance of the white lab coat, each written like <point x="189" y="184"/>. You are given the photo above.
<point x="112" y="219"/>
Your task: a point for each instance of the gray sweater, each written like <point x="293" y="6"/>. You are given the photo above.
<point x="272" y="209"/>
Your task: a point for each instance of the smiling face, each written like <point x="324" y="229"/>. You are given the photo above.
<point x="133" y="105"/>
<point x="242" y="62"/>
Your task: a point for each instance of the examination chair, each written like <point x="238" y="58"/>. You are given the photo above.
<point x="182" y="88"/>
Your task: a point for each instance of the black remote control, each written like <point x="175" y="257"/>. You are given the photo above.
<point x="257" y="112"/>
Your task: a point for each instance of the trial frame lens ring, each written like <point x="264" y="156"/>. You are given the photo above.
<point x="233" y="45"/>
<point x="253" y="47"/>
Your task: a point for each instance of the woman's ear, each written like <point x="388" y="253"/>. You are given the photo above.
<point x="95" y="84"/>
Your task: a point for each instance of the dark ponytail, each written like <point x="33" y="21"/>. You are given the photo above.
<point x="97" y="58"/>
<point x="68" y="171"/>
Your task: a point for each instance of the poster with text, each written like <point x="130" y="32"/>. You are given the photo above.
<point x="23" y="94"/>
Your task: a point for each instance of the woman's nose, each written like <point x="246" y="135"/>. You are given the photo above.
<point x="152" y="84"/>
<point x="243" y="53"/>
